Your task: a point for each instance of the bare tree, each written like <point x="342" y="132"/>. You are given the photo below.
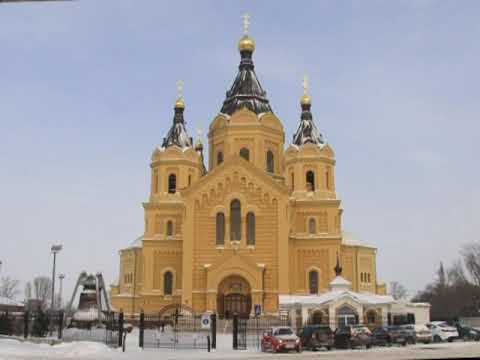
<point x="42" y="287"/>
<point x="471" y="258"/>
<point x="9" y="287"/>
<point x="456" y="275"/>
<point x="398" y="291"/>
<point x="28" y="290"/>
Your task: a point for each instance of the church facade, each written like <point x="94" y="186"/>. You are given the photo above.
<point x="264" y="221"/>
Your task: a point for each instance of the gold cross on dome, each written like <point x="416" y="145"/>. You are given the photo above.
<point x="246" y="23"/>
<point x="305" y="85"/>
<point x="180" y="84"/>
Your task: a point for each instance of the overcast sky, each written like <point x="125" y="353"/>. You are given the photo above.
<point x="87" y="88"/>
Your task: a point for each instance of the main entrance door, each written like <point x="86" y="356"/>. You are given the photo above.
<point x="237" y="304"/>
<point x="234" y="297"/>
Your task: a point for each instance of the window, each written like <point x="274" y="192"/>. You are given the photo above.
<point x="312" y="226"/>
<point x="189" y="180"/>
<point x="220" y="225"/>
<point x="168" y="283"/>
<point x="169" y="228"/>
<point x="235" y="220"/>
<point x="245" y="153"/>
<point x="310" y="181"/>
<point x="293" y="181"/>
<point x="327" y="178"/>
<point x="361" y="277"/>
<point x="371" y="317"/>
<point x="368" y="278"/>
<point x="313" y="282"/>
<point x="155" y="181"/>
<point x="219" y="158"/>
<point x="250" y="228"/>
<point x="172" y="183"/>
<point x="270" y="162"/>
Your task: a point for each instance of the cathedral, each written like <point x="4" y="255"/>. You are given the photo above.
<point x="260" y="223"/>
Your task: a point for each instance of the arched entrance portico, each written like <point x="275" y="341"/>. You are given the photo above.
<point x="234" y="297"/>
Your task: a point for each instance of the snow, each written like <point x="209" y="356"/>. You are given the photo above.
<point x="90" y="314"/>
<point x="13" y="349"/>
<point x="330" y="296"/>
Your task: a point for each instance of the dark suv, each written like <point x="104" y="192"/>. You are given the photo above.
<point x="350" y="337"/>
<point x="388" y="335"/>
<point x="314" y="337"/>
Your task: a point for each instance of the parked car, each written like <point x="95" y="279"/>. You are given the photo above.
<point x="467" y="332"/>
<point x="389" y="335"/>
<point x="314" y="337"/>
<point x="441" y="331"/>
<point x="353" y="336"/>
<point x="279" y="339"/>
<point x="421" y="333"/>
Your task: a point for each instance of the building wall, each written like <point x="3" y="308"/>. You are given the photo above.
<point x="285" y="247"/>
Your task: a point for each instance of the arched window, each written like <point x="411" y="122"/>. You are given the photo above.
<point x="155" y="181"/>
<point x="270" y="162"/>
<point x="189" y="180"/>
<point x="310" y="177"/>
<point x="168" y="283"/>
<point x="293" y="181"/>
<point x="327" y="178"/>
<point x="245" y="153"/>
<point x="361" y="277"/>
<point x="250" y="228"/>
<point x="172" y="183"/>
<point x="235" y="220"/>
<point x="312" y="226"/>
<point x="220" y="225"/>
<point x="169" y="228"/>
<point x="371" y="317"/>
<point x="219" y="158"/>
<point x="368" y="278"/>
<point x="313" y="282"/>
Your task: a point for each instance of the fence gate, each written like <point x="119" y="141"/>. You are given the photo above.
<point x="113" y="329"/>
<point x="240" y="327"/>
<point x="177" y="330"/>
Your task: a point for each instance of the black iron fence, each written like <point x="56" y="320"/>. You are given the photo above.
<point x="32" y="323"/>
<point x="174" y="331"/>
<point x="107" y="328"/>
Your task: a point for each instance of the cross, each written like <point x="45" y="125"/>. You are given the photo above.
<point x="200" y="133"/>
<point x="180" y="89"/>
<point x="305" y="85"/>
<point x="246" y="23"/>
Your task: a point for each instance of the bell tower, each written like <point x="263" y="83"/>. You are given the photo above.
<point x="246" y="126"/>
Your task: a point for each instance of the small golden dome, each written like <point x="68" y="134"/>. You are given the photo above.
<point x="180" y="103"/>
<point x="306" y="100"/>
<point x="246" y="43"/>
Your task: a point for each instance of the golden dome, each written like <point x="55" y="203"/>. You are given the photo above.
<point x="306" y="100"/>
<point x="180" y="103"/>
<point x="246" y="43"/>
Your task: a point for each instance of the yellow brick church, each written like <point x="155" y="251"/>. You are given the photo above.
<point x="263" y="221"/>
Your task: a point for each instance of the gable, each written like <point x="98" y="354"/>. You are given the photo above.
<point x="236" y="171"/>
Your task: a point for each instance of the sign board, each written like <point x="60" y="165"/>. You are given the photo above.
<point x="206" y="321"/>
<point x="258" y="310"/>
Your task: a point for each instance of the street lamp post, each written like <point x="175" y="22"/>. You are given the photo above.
<point x="55" y="250"/>
<point x="60" y="277"/>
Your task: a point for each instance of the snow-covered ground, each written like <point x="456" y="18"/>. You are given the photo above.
<point x="17" y="350"/>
